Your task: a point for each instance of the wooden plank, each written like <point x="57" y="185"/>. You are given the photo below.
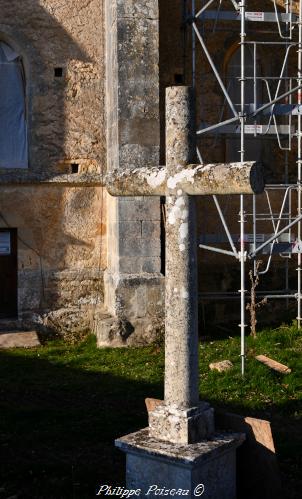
<point x="151" y="404"/>
<point x="273" y="364"/>
<point x="257" y="466"/>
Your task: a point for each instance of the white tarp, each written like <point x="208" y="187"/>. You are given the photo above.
<point x="13" y="129"/>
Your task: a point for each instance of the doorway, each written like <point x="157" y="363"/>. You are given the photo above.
<point x="8" y="274"/>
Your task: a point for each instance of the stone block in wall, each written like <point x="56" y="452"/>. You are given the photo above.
<point x="137" y="132"/>
<point x="127" y="229"/>
<point x="133" y="8"/>
<point x="141" y="301"/>
<point x="30" y="290"/>
<point x="133" y="247"/>
<point x="133" y="265"/>
<point x="144" y="208"/>
<point x="150" y="229"/>
<point x="123" y="293"/>
<point x="142" y="154"/>
<point x="155" y="301"/>
<point x="151" y="265"/>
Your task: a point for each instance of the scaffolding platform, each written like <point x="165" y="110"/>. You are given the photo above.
<point x="266" y="17"/>
<point x="249" y="129"/>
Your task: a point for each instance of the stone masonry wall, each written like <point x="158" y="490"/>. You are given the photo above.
<point x="61" y="249"/>
<point x="66" y="114"/>
<point x="61" y="228"/>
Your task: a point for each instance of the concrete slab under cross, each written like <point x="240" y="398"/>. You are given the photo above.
<point x="183" y="419"/>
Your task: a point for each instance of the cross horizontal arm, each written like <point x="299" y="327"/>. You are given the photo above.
<point x="146" y="181"/>
<point x="194" y="180"/>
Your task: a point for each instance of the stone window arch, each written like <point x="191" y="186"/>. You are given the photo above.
<point x="13" y="119"/>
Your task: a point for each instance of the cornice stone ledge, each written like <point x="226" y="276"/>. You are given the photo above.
<point x="27" y="178"/>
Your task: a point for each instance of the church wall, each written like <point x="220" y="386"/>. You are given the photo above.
<point x="66" y="113"/>
<point x="57" y="204"/>
<point x="61" y="223"/>
<point x="61" y="249"/>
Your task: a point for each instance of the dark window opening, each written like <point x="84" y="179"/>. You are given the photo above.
<point x="179" y="79"/>
<point x="8" y="274"/>
<point x="74" y="168"/>
<point x="58" y="72"/>
<point x="163" y="235"/>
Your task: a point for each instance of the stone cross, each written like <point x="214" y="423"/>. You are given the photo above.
<point x="182" y="418"/>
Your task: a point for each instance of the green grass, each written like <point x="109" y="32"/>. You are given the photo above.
<point x="62" y="407"/>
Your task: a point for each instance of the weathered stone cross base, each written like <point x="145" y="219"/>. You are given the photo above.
<point x="206" y="469"/>
<point x="182" y="426"/>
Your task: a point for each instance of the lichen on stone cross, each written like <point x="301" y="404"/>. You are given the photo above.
<point x="192" y="179"/>
<point x="182" y="418"/>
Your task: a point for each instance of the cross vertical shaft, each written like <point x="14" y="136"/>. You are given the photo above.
<point x="182" y="418"/>
<point x="181" y="340"/>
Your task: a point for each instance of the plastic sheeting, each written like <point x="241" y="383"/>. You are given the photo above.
<point x="13" y="128"/>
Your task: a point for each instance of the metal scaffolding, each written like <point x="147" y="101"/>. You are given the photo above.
<point x="277" y="118"/>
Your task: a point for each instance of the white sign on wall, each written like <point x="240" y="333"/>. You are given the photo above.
<point x="5" y="244"/>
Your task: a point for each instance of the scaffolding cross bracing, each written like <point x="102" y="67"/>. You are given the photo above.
<point x="267" y="107"/>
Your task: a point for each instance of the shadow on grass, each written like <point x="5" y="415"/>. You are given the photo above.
<point x="58" y="422"/>
<point x="58" y="425"/>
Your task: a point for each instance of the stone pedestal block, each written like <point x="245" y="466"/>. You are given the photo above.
<point x="206" y="469"/>
<point x="182" y="426"/>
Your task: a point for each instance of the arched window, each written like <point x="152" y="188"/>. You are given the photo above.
<point x="253" y="145"/>
<point x="13" y="128"/>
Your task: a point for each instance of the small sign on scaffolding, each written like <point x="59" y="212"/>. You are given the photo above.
<point x="254" y="16"/>
<point x="297" y="247"/>
<point x="253" y="128"/>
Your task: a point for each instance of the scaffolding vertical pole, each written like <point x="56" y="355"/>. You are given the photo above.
<point x="288" y="10"/>
<point x="193" y="46"/>
<point x="193" y="8"/>
<point x="185" y="29"/>
<point x="242" y="6"/>
<point x="255" y="133"/>
<point x="299" y="160"/>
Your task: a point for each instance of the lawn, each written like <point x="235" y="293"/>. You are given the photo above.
<point x="62" y="406"/>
